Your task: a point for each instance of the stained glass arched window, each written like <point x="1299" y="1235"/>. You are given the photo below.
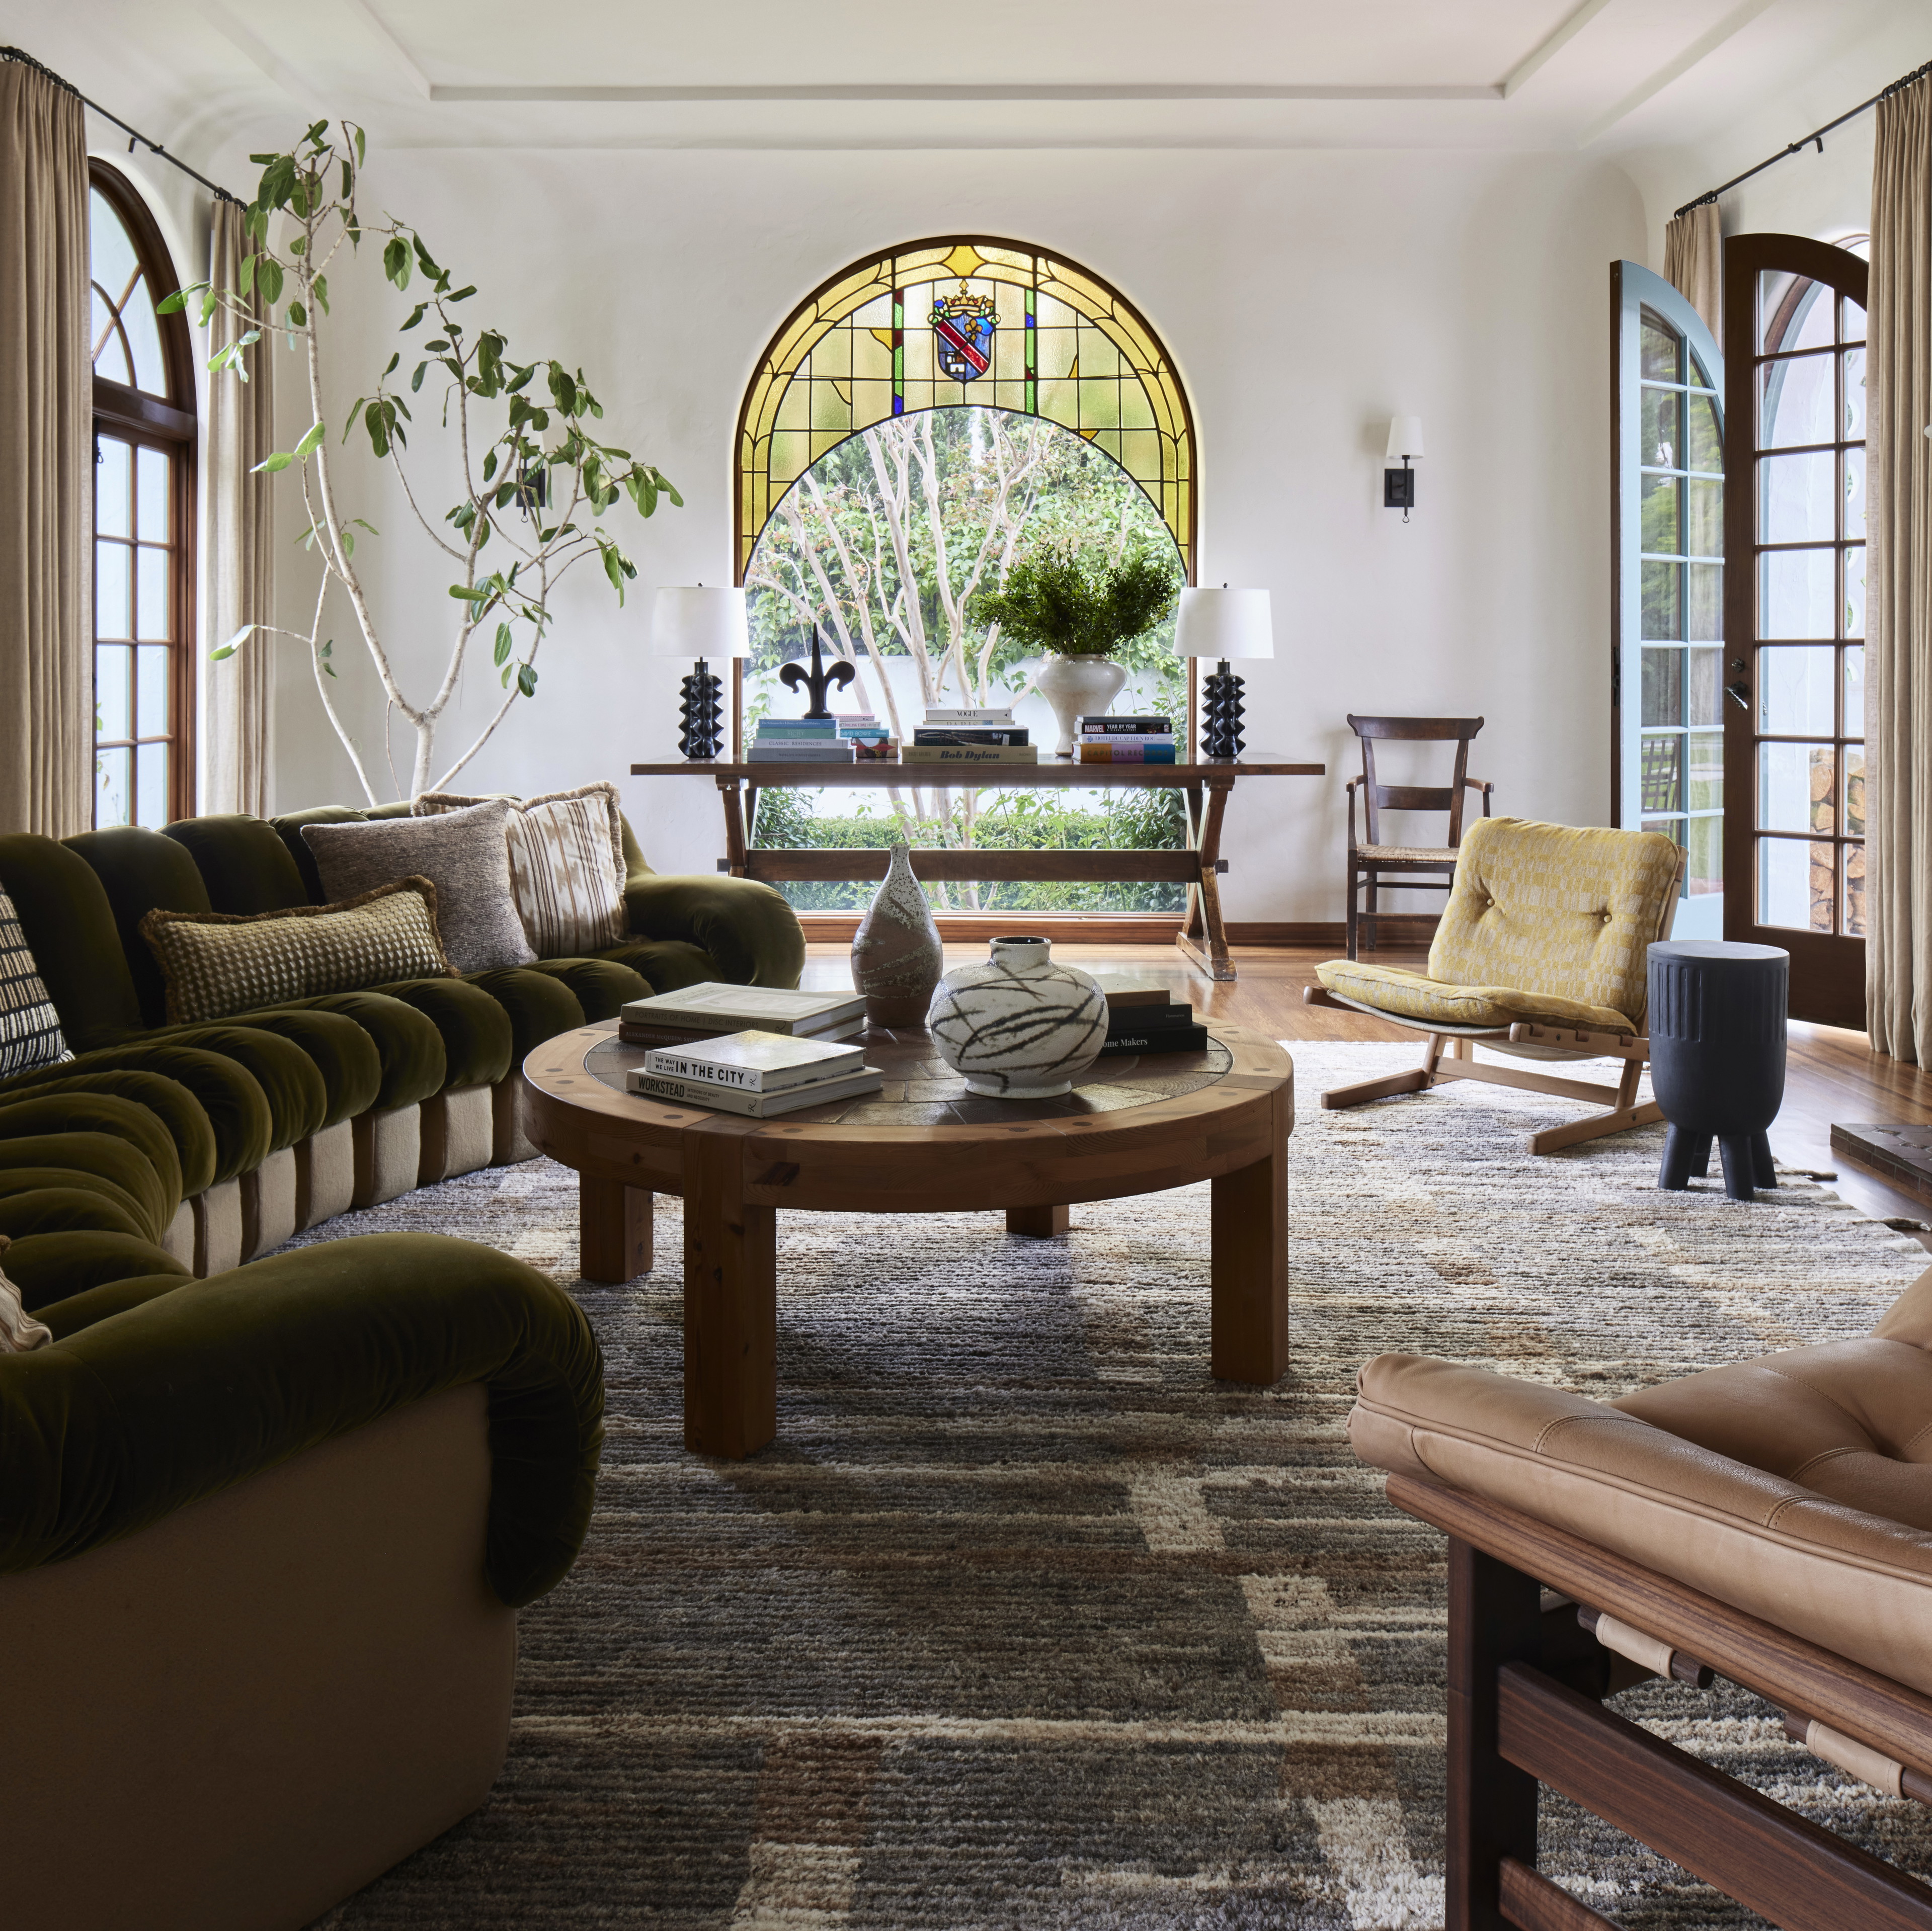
<point x="959" y="320"/>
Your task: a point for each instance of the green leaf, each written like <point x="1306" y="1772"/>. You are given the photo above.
<point x="423" y="255"/>
<point x="415" y="381"/>
<point x="469" y="596"/>
<point x="504" y="679"/>
<point x="317" y="430"/>
<point x="614" y="568"/>
<point x="268" y="279"/>
<point x="359" y="144"/>
<point x="245" y="280"/>
<point x="216" y="656"/>
<point x="348" y="180"/>
<point x="502" y="643"/>
<point x="330" y="668"/>
<point x="298" y="314"/>
<point x="348" y="543"/>
<point x="233" y="644"/>
<point x="396" y="260"/>
<point x="415" y="316"/>
<point x="376" y="420"/>
<point x="526" y="679"/>
<point x="321" y="292"/>
<point x="392" y="369"/>
<point x="208" y="301"/>
<point x="327" y="649"/>
<point x="270" y="465"/>
<point x="437" y="347"/>
<point x="170" y="305"/>
<point x="316" y="133"/>
<point x="462" y="294"/>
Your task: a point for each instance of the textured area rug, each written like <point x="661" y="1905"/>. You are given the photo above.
<point x="1024" y="1621"/>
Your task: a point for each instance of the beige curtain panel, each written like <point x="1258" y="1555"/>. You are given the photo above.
<point x="240" y="585"/>
<point x="1898" y="599"/>
<point x="1693" y="263"/>
<point x="46" y="461"/>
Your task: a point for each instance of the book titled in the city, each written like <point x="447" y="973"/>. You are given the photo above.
<point x="755" y="1062"/>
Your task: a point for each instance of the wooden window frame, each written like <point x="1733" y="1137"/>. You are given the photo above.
<point x="171" y="426"/>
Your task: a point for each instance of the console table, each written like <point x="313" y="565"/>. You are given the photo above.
<point x="1203" y="937"/>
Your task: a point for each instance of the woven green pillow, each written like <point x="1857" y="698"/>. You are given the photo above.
<point x="218" y="963"/>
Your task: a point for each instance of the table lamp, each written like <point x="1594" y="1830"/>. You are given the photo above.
<point x="1222" y="624"/>
<point x="688" y="620"/>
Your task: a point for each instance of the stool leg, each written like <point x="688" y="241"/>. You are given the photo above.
<point x="1700" y="1156"/>
<point x="1675" y="1172"/>
<point x="1767" y="1167"/>
<point x="1740" y="1165"/>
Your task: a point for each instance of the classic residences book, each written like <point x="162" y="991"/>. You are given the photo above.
<point x="716" y="1010"/>
<point x="755" y="1062"/>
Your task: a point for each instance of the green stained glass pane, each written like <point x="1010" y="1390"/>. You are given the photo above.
<point x="1662" y="349"/>
<point x="1706" y="443"/>
<point x="1664" y="686"/>
<point x="1662" y="432"/>
<point x="1664" y="601"/>
<point x="1706" y="618"/>
<point x="1663" y="516"/>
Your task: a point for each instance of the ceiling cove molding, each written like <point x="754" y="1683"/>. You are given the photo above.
<point x="1733" y="23"/>
<point x="1566" y="31"/>
<point x="988" y="90"/>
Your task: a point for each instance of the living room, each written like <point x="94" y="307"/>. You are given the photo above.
<point x="1302" y="1305"/>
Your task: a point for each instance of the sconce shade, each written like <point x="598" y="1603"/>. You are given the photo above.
<point x="1224" y="623"/>
<point x="690" y="620"/>
<point x="1405" y="438"/>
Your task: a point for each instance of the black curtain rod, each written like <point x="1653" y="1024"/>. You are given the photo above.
<point x="1817" y="134"/>
<point x="134" y="135"/>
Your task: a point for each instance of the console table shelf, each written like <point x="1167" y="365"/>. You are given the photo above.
<point x="1205" y="786"/>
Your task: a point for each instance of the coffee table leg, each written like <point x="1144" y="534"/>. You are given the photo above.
<point x="1248" y="1222"/>
<point x="1040" y="1223"/>
<point x="613" y="1230"/>
<point x="730" y="1304"/>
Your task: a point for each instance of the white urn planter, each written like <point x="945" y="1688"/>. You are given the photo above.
<point x="1019" y="1027"/>
<point x="1078" y="686"/>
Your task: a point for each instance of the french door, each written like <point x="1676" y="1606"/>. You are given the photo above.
<point x="1667" y="755"/>
<point x="1794" y="614"/>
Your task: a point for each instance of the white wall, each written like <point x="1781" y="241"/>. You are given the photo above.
<point x="1306" y="296"/>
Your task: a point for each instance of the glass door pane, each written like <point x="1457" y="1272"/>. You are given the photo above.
<point x="1669" y="571"/>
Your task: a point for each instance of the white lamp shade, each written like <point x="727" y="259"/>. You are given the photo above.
<point x="690" y="620"/>
<point x="1405" y="437"/>
<point x="1224" y="623"/>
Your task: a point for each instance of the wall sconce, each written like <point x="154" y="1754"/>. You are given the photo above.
<point x="1405" y="440"/>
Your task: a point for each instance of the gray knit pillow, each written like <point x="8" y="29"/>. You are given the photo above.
<point x="465" y="855"/>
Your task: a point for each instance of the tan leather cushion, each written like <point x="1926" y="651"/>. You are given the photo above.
<point x="1697" y="1479"/>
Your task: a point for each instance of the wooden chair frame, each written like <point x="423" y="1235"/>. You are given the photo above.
<point x="1406" y="875"/>
<point x="1449" y="1054"/>
<point x="1526" y="1689"/>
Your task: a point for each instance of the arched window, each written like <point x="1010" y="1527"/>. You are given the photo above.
<point x="144" y="445"/>
<point x="1029" y="332"/>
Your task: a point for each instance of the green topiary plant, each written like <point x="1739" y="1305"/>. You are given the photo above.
<point x="1052" y="602"/>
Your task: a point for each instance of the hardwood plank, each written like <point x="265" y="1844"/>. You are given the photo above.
<point x="730" y="1300"/>
<point x="615" y="1228"/>
<point x="1767" y="1857"/>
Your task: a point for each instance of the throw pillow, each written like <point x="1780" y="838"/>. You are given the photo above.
<point x="19" y="1330"/>
<point x="566" y="866"/>
<point x="30" y="1028"/>
<point x="217" y="964"/>
<point x="465" y="855"/>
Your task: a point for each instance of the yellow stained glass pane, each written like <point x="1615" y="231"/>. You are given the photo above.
<point x="1098" y="356"/>
<point x="831" y="407"/>
<point x="795" y="409"/>
<point x="963" y="259"/>
<point x="1100" y="403"/>
<point x="1007" y="395"/>
<point x="1136" y="411"/>
<point x="871" y="400"/>
<point x="1057" y="350"/>
<point x="1139" y="454"/>
<point x="791" y="455"/>
<point x="872" y="357"/>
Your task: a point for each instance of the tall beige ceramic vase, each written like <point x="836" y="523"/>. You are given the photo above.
<point x="896" y="955"/>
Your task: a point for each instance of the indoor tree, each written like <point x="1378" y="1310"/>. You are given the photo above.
<point x="536" y="479"/>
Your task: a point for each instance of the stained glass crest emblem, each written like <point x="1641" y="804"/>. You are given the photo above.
<point x="962" y="327"/>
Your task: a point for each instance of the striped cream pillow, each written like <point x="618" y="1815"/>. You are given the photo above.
<point x="566" y="866"/>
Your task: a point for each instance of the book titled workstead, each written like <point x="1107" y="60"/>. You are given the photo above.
<point x="755" y="1062"/>
<point x="648" y="1085"/>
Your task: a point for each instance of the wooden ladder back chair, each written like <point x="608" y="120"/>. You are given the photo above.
<point x="1372" y="863"/>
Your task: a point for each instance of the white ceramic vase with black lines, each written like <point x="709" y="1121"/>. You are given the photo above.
<point x="1019" y="1027"/>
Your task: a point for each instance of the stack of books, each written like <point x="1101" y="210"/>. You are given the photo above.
<point x="711" y="1011"/>
<point x="758" y="1074"/>
<point x="1142" y="740"/>
<point x="1143" y="1016"/>
<point x="970" y="737"/>
<point x="811" y="740"/>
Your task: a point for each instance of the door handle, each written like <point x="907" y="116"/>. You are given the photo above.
<point x="1738" y="695"/>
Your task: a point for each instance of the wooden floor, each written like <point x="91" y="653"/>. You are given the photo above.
<point x="1831" y="1074"/>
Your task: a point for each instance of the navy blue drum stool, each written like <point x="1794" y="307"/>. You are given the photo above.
<point x="1717" y="1057"/>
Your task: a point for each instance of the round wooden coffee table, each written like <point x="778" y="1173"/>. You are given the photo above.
<point x="924" y="1145"/>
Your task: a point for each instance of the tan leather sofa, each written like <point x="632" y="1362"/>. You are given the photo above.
<point x="1770" y="1521"/>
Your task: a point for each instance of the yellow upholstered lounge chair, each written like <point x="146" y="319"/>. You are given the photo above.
<point x="1542" y="954"/>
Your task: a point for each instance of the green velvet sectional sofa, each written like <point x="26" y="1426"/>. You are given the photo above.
<point x="283" y="1117"/>
<point x="263" y="1538"/>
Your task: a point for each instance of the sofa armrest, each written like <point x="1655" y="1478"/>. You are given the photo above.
<point x="108" y="1431"/>
<point x="748" y="929"/>
<point x="1851" y="1582"/>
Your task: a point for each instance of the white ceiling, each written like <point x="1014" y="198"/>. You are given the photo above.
<point x="1502" y="74"/>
